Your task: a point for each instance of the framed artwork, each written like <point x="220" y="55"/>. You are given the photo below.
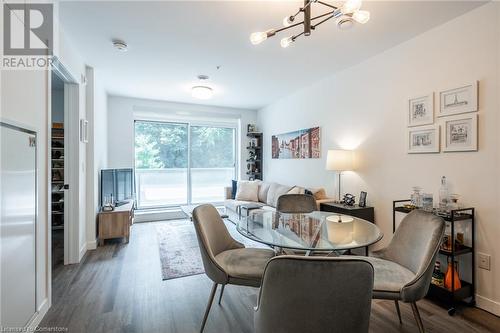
<point x="458" y="100"/>
<point x="299" y="144"/>
<point x="421" y="110"/>
<point x="460" y="133"/>
<point x="423" y="139"/>
<point x="362" y="199"/>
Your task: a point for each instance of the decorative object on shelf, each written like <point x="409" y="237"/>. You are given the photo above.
<point x="299" y="144"/>
<point x="427" y="202"/>
<point x="453" y="202"/>
<point x="446" y="243"/>
<point x="460" y="133"/>
<point x="349" y="199"/>
<point x="421" y="110"/>
<point x="460" y="240"/>
<point x="362" y="199"/>
<point x="416" y="197"/>
<point x="345" y="17"/>
<point x="251" y="128"/>
<point x="437" y="275"/>
<point x="458" y="100"/>
<point x="452" y="279"/>
<point x="339" y="161"/>
<point x="443" y="196"/>
<point x="423" y="139"/>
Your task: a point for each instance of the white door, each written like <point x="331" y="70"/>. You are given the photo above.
<point x="17" y="225"/>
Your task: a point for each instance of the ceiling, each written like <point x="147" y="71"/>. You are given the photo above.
<point x="170" y="43"/>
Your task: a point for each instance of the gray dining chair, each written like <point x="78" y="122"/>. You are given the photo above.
<point x="314" y="294"/>
<point x="226" y="261"/>
<point x="296" y="203"/>
<point x="403" y="270"/>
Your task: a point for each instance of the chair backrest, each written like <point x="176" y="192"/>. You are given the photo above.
<point x="296" y="203"/>
<point x="314" y="294"/>
<point x="213" y="238"/>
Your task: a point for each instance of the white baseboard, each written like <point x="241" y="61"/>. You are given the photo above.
<point x="92" y="245"/>
<point x="488" y="305"/>
<point x="38" y="316"/>
<point x="83" y="250"/>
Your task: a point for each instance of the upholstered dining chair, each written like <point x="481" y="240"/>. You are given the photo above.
<point x="296" y="203"/>
<point x="403" y="270"/>
<point x="314" y="294"/>
<point x="225" y="260"/>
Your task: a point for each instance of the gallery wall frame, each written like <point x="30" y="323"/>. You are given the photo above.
<point x="460" y="133"/>
<point x="421" y="110"/>
<point x="461" y="99"/>
<point x="423" y="139"/>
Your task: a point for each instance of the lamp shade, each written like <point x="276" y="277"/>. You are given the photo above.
<point x="340" y="160"/>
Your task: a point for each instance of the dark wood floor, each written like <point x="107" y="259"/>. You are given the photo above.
<point x="118" y="288"/>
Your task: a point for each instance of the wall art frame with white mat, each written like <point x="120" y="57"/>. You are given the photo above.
<point x="421" y="110"/>
<point x="460" y="133"/>
<point x="461" y="99"/>
<point x="423" y="139"/>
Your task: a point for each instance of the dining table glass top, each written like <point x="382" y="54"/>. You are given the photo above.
<point x="316" y="231"/>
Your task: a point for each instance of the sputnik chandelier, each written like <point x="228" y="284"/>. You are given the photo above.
<point x="345" y="16"/>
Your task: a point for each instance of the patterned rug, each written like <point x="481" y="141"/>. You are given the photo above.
<point x="179" y="251"/>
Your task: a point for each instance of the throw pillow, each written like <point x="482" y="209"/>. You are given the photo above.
<point x="296" y="190"/>
<point x="234" y="188"/>
<point x="263" y="189"/>
<point x="318" y="193"/>
<point x="275" y="191"/>
<point x="247" y="191"/>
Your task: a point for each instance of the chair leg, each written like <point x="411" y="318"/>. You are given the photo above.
<point x="209" y="305"/>
<point x="398" y="311"/>
<point x="417" y="317"/>
<point x="221" y="292"/>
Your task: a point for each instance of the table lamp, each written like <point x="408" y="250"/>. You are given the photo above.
<point x="340" y="160"/>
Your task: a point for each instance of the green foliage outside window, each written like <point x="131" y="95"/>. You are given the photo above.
<point x="165" y="145"/>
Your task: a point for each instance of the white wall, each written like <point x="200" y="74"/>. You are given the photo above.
<point x="122" y="112"/>
<point x="96" y="149"/>
<point x="364" y="108"/>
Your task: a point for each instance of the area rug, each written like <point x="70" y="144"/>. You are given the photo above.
<point x="179" y="251"/>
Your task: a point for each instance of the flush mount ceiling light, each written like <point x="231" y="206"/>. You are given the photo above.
<point x="120" y="45"/>
<point x="202" y="91"/>
<point x="345" y="16"/>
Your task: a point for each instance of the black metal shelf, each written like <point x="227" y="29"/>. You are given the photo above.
<point x="467" y="289"/>
<point x="256" y="162"/>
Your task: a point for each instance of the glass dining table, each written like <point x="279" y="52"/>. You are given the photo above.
<point x="316" y="231"/>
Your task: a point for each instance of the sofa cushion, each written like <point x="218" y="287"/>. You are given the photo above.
<point x="247" y="191"/>
<point x="263" y="189"/>
<point x="275" y="191"/>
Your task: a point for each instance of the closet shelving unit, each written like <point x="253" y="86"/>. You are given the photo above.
<point x="57" y="175"/>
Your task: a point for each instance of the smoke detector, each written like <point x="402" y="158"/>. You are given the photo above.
<point x="120" y="45"/>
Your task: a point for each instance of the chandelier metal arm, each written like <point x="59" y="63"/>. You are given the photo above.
<point x="322" y="21"/>
<point x="327" y="4"/>
<point x="302" y="22"/>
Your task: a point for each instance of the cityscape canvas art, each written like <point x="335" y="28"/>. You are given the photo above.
<point x="421" y="110"/>
<point x="460" y="133"/>
<point x="424" y="139"/>
<point x="299" y="144"/>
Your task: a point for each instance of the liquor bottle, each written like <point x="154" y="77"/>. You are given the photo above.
<point x="437" y="275"/>
<point x="452" y="275"/>
<point x="443" y="195"/>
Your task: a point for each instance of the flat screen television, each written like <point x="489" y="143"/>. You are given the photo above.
<point x="119" y="183"/>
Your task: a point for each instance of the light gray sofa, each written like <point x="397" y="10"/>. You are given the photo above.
<point x="268" y="195"/>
